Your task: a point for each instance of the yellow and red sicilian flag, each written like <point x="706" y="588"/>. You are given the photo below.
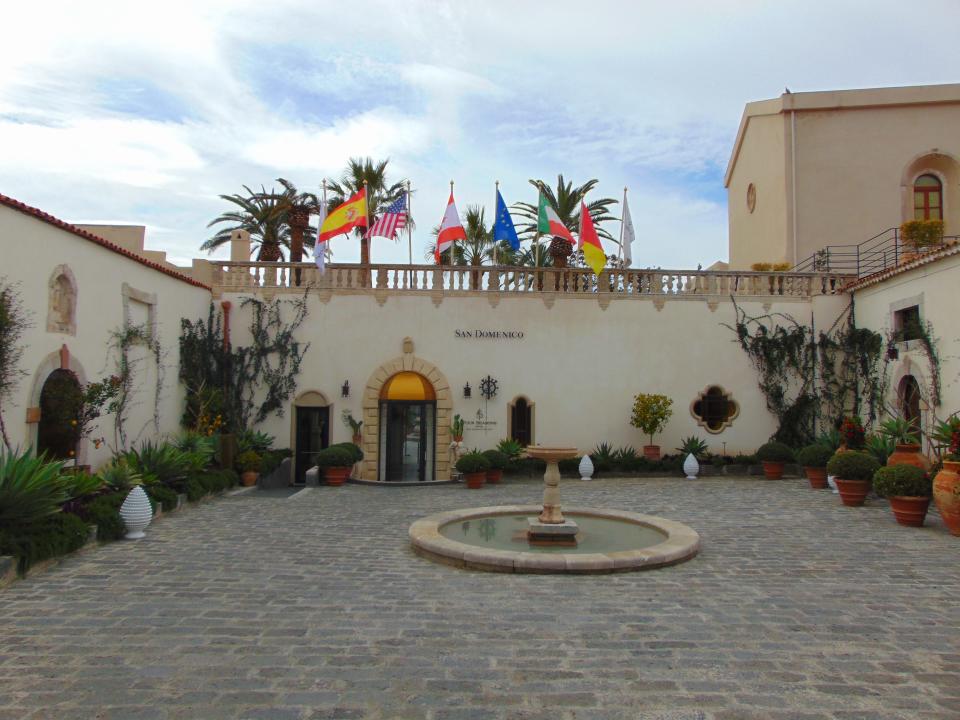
<point x="353" y="213"/>
<point x="450" y="229"/>
<point x="593" y="252"/>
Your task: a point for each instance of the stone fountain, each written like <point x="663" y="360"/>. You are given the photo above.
<point x="550" y="527"/>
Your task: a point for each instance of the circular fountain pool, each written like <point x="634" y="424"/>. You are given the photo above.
<point x="495" y="538"/>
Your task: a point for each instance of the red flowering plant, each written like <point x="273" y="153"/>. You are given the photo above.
<point x="852" y="432"/>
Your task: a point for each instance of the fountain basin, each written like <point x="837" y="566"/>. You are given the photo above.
<point x="642" y="542"/>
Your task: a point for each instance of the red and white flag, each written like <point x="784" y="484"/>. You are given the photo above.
<point x="450" y="229"/>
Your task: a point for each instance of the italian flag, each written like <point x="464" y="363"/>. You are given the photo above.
<point x="593" y="252"/>
<point x="548" y="222"/>
<point x="450" y="229"/>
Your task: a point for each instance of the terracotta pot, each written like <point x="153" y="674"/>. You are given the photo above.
<point x="946" y="494"/>
<point x="910" y="511"/>
<point x="475" y="480"/>
<point x="336" y="476"/>
<point x="357" y="439"/>
<point x="853" y="492"/>
<point x="817" y="477"/>
<point x="494" y="476"/>
<point x="773" y="469"/>
<point x="909" y="454"/>
<point x="249" y="478"/>
<point x="651" y="452"/>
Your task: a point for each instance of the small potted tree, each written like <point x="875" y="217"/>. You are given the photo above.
<point x="650" y="414"/>
<point x="249" y="464"/>
<point x="774" y="456"/>
<point x="498" y="462"/>
<point x="908" y="488"/>
<point x="474" y="467"/>
<point x="904" y="434"/>
<point x="456" y="429"/>
<point x="354" y="425"/>
<point x="336" y="462"/>
<point x="853" y="471"/>
<point x="814" y="459"/>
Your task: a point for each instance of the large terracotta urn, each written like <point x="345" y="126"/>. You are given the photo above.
<point x="946" y="494"/>
<point x="909" y="454"/>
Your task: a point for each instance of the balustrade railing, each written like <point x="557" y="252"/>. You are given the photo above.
<point x="346" y="278"/>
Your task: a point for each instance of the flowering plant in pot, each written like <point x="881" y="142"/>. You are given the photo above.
<point x="904" y="433"/>
<point x="474" y="466"/>
<point x="773" y="456"/>
<point x="249" y="464"/>
<point x="336" y="461"/>
<point x="853" y="471"/>
<point x="852" y="434"/>
<point x="946" y="485"/>
<point x="498" y="462"/>
<point x="908" y="488"/>
<point x="650" y="414"/>
<point x="814" y="459"/>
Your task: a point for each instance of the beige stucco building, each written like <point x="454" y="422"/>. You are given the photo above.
<point x="816" y="169"/>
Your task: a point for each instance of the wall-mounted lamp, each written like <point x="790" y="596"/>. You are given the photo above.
<point x="466" y="390"/>
<point x="345" y="390"/>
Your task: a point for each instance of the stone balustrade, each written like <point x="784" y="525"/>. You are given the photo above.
<point x="230" y="276"/>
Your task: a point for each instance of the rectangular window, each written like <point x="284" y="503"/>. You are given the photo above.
<point x="906" y="323"/>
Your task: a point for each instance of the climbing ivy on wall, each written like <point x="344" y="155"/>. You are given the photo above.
<point x="14" y="321"/>
<point x="122" y="341"/>
<point x="241" y="385"/>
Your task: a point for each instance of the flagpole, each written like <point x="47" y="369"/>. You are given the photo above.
<point x="409" y="228"/>
<point x="620" y="250"/>
<point x="496" y="209"/>
<point x="536" y="237"/>
<point x="453" y="245"/>
<point x="326" y="245"/>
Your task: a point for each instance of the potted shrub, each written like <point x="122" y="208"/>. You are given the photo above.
<point x="249" y="464"/>
<point x="336" y="462"/>
<point x="853" y="471"/>
<point x="908" y="489"/>
<point x="650" y="414"/>
<point x="354" y="425"/>
<point x="918" y="236"/>
<point x="456" y="429"/>
<point x="814" y="459"/>
<point x="946" y="485"/>
<point x="773" y="456"/>
<point x="474" y="467"/>
<point x="904" y="434"/>
<point x="498" y="462"/>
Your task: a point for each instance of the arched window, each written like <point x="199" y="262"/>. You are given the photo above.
<point x="927" y="198"/>
<point x="521" y="421"/>
<point x="908" y="396"/>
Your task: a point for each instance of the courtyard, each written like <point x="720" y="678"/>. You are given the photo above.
<point x="275" y="605"/>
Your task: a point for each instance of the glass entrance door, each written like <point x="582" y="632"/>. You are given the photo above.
<point x="409" y="429"/>
<point x="313" y="435"/>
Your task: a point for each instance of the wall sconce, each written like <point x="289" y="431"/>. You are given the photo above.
<point x="466" y="390"/>
<point x="345" y="390"/>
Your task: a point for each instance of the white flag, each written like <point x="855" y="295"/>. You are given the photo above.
<point x="320" y="248"/>
<point x="628" y="233"/>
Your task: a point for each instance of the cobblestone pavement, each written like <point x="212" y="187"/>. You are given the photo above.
<point x="315" y="607"/>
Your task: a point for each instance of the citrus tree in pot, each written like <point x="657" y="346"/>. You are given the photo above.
<point x="853" y="471"/>
<point x="908" y="488"/>
<point x="650" y="414"/>
<point x="904" y="434"/>
<point x="336" y="462"/>
<point x="814" y="459"/>
<point x="774" y="456"/>
<point x="249" y="464"/>
<point x="498" y="462"/>
<point x="474" y="466"/>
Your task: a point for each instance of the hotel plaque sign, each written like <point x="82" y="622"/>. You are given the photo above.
<point x="480" y="334"/>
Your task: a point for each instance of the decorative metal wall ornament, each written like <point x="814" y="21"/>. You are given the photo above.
<point x="345" y="389"/>
<point x="466" y="390"/>
<point x="488" y="387"/>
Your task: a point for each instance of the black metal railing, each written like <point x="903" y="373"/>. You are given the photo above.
<point x="881" y="252"/>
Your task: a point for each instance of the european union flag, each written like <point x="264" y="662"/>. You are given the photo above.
<point x="503" y="227"/>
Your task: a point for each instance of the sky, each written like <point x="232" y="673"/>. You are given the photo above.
<point x="120" y="112"/>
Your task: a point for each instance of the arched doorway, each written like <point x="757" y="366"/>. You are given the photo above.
<point x="521" y="420"/>
<point x="60" y="403"/>
<point x="408" y="428"/>
<point x="311" y="432"/>
<point x="908" y="399"/>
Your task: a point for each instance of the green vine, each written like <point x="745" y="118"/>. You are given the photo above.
<point x="14" y="322"/>
<point x="922" y="332"/>
<point x="121" y="341"/>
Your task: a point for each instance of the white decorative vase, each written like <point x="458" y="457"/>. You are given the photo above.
<point x="586" y="468"/>
<point x="832" y="482"/>
<point x="691" y="467"/>
<point x="136" y="513"/>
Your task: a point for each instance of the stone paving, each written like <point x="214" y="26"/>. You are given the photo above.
<point x="315" y="607"/>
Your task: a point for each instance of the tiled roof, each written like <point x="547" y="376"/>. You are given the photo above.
<point x="56" y="222"/>
<point x="925" y="259"/>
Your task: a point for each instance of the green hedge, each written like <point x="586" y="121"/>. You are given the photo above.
<point x="52" y="536"/>
<point x="163" y="496"/>
<point x="104" y="512"/>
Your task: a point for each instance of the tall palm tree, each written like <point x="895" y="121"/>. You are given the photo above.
<point x="478" y="246"/>
<point x="380" y="192"/>
<point x="566" y="202"/>
<point x="299" y="207"/>
<point x="262" y="214"/>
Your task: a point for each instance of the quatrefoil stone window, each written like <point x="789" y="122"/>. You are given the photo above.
<point x="715" y="409"/>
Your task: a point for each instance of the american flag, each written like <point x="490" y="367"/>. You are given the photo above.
<point x="394" y="218"/>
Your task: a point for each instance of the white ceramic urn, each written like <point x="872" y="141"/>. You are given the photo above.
<point x="136" y="513"/>
<point x="691" y="467"/>
<point x="586" y="468"/>
<point x="832" y="482"/>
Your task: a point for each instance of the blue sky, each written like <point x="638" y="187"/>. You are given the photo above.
<point x="114" y="112"/>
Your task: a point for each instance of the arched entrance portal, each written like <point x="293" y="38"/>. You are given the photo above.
<point x="908" y="397"/>
<point x="408" y="428"/>
<point x="60" y="405"/>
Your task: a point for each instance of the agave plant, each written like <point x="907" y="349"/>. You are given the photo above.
<point x="626" y="456"/>
<point x="880" y="446"/>
<point x="510" y="447"/>
<point x="603" y="457"/>
<point x="164" y="462"/>
<point x="197" y="443"/>
<point x="942" y="433"/>
<point x="31" y="488"/>
<point x="900" y="431"/>
<point x="120" y="477"/>
<point x="255" y="440"/>
<point x="692" y="446"/>
<point x="829" y="438"/>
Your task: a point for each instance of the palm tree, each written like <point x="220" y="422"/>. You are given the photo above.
<point x="380" y="192"/>
<point x="262" y="214"/>
<point x="476" y="248"/>
<point x="566" y="202"/>
<point x="299" y="207"/>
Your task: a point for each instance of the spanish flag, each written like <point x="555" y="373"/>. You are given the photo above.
<point x="593" y="252"/>
<point x="353" y="213"/>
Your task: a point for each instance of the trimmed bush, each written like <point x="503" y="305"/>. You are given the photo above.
<point x="774" y="452"/>
<point x="852" y="465"/>
<point x="356" y="454"/>
<point x="335" y="456"/>
<point x="104" y="512"/>
<point x="195" y="490"/>
<point x="902" y="481"/>
<point x="162" y="496"/>
<point x="473" y="462"/>
<point x="498" y="461"/>
<point x="48" y="537"/>
<point x="815" y="456"/>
